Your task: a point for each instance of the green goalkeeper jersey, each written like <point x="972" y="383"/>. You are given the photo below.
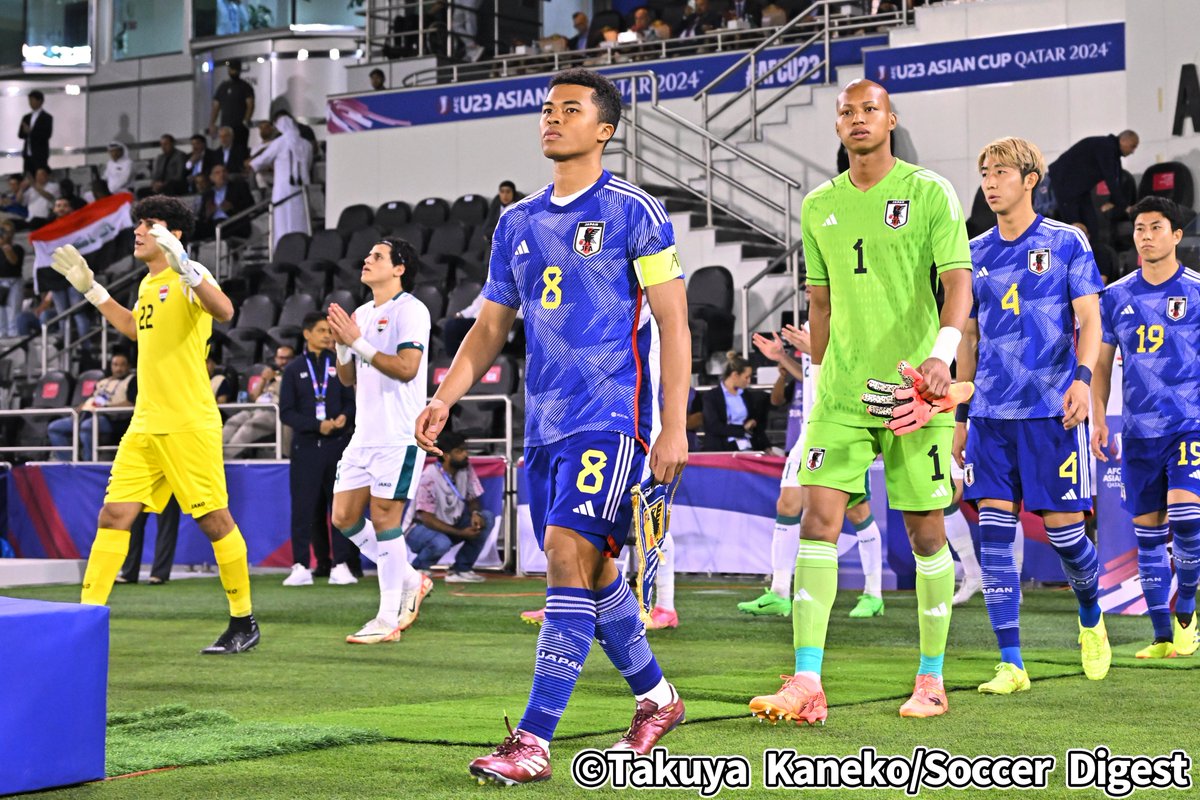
<point x="875" y="250"/>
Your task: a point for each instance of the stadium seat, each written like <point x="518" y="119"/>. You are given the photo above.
<point x="53" y="390"/>
<point x="315" y="273"/>
<point x="361" y="243"/>
<point x="982" y="217"/>
<point x="462" y="296"/>
<point x="710" y="298"/>
<point x="342" y="297"/>
<point x="470" y="209"/>
<point x="473" y="264"/>
<point x="291" y="319"/>
<point x="431" y="212"/>
<point x="1170" y="179"/>
<point x="700" y="353"/>
<point x="274" y="278"/>
<point x="433" y="298"/>
<point x="328" y="245"/>
<point x="391" y="215"/>
<point x="85" y="385"/>
<point x="415" y="234"/>
<point x="446" y="246"/>
<point x="485" y="419"/>
<point x="354" y="218"/>
<point x="348" y="276"/>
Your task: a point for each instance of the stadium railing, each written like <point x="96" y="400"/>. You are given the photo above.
<point x="22" y="413"/>
<point x="508" y="528"/>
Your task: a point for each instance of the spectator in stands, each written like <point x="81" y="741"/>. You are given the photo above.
<point x="11" y="202"/>
<point x="167" y="175"/>
<point x="377" y="79"/>
<point x="748" y="13"/>
<point x="320" y="411"/>
<point x="164" y="546"/>
<point x="222" y="387"/>
<point x="773" y="16"/>
<point x="506" y="195"/>
<point x="118" y="170"/>
<point x="290" y="159"/>
<point x="251" y="425"/>
<point x="735" y="415"/>
<point x="233" y="16"/>
<point x="233" y="107"/>
<point x="662" y="31"/>
<point x="118" y="390"/>
<point x="222" y="200"/>
<point x="230" y="154"/>
<point x="12" y="262"/>
<point x="698" y="21"/>
<point x="579" y="41"/>
<point x="63" y="206"/>
<point x="36" y="129"/>
<point x="1076" y="172"/>
<point x="642" y="27"/>
<point x="448" y="511"/>
<point x="39" y="195"/>
<point x="199" y="161"/>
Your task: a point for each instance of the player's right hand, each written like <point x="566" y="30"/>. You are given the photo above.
<point x="70" y="263"/>
<point x="771" y="348"/>
<point x="959" y="448"/>
<point x="1100" y="439"/>
<point x="429" y="425"/>
<point x="669" y="455"/>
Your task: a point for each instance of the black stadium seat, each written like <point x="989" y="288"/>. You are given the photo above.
<point x="291" y="319"/>
<point x="710" y="298"/>
<point x="1170" y="179"/>
<point x="342" y="297"/>
<point x="446" y="247"/>
<point x="85" y="385"/>
<point x="433" y="298"/>
<point x="391" y="215"/>
<point x="470" y="209"/>
<point x="361" y="243"/>
<point x="431" y="212"/>
<point x="415" y="234"/>
<point x="353" y="218"/>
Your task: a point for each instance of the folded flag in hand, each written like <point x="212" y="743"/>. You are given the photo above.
<point x="651" y="520"/>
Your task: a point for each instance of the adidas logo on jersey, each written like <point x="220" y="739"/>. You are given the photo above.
<point x="803" y="596"/>
<point x="585" y="509"/>
<point x="1195" y="475"/>
<point x="983" y="273"/>
<point x="1126" y="310"/>
<point x="830" y="220"/>
<point x="522" y="249"/>
<point x="937" y="611"/>
<point x="1070" y="495"/>
<point x="941" y="491"/>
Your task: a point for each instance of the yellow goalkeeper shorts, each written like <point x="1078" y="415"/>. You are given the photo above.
<point x="150" y="467"/>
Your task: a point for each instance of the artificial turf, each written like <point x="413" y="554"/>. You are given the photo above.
<point x="308" y="716"/>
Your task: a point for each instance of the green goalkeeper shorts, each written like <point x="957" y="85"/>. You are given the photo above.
<point x="916" y="466"/>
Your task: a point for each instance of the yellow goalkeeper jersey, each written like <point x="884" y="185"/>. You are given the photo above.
<point x="173" y="329"/>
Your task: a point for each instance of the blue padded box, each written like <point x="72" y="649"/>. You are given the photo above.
<point x="53" y="685"/>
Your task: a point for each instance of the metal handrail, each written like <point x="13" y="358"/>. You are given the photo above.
<point x="790" y="256"/>
<point x="374" y="11"/>
<point x="44" y="412"/>
<point x="277" y="444"/>
<point x="508" y="526"/>
<point x="252" y="211"/>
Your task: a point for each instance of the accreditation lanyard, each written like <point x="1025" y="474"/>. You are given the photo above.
<point x="319" y="390"/>
<point x="450" y="481"/>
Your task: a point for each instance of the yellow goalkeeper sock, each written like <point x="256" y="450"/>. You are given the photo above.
<point x="104" y="562"/>
<point x="235" y="571"/>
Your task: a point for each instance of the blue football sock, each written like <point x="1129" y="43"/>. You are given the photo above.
<point x="1001" y="583"/>
<point x="1082" y="566"/>
<point x="1185" y="526"/>
<point x="563" y="645"/>
<point x="622" y="634"/>
<point x="1154" y="571"/>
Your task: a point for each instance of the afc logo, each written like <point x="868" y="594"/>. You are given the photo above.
<point x="589" y="238"/>
<point x="1039" y="261"/>
<point x="1176" y="308"/>
<point x="895" y="214"/>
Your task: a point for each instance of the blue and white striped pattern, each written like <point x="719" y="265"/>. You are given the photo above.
<point x="1081" y="565"/>
<point x="1185" y="525"/>
<point x="1154" y="571"/>
<point x="563" y="646"/>
<point x="1001" y="581"/>
<point x="618" y="484"/>
<point x="622" y="634"/>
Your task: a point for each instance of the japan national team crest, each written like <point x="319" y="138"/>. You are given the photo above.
<point x="969" y="474"/>
<point x="381" y="324"/>
<point x="163" y="291"/>
<point x="589" y="238"/>
<point x="895" y="213"/>
<point x="1176" y="308"/>
<point x="1039" y="261"/>
<point x="816" y="457"/>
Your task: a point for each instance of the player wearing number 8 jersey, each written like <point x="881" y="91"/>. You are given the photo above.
<point x="1034" y="279"/>
<point x="581" y="258"/>
<point x="870" y="237"/>
<point x="1153" y="316"/>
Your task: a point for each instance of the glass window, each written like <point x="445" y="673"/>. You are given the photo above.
<point x="330" y="12"/>
<point x="12" y="31"/>
<point x="229" y="17"/>
<point x="58" y="33"/>
<point x="145" y="28"/>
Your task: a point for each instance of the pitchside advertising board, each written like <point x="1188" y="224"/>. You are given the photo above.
<point x="675" y="78"/>
<point x="999" y="59"/>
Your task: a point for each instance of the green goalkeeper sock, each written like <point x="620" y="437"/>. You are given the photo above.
<point x="816" y="588"/>
<point x="935" y="593"/>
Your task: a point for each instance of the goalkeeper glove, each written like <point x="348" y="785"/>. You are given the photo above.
<point x="902" y="404"/>
<point x="177" y="258"/>
<point x="68" y="262"/>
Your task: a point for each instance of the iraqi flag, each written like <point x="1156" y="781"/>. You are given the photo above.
<point x="88" y="229"/>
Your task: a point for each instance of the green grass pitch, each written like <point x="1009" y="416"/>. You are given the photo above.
<point x="308" y="716"/>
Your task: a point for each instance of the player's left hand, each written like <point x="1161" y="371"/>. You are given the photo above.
<point x="345" y="329"/>
<point x="1075" y="404"/>
<point x="771" y="348"/>
<point x="903" y="404"/>
<point x="429" y="426"/>
<point x="669" y="455"/>
<point x="177" y="258"/>
<point x="935" y="379"/>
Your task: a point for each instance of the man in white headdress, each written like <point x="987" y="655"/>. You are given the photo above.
<point x="289" y="157"/>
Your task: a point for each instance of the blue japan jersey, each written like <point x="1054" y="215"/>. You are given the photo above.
<point x="1023" y="292"/>
<point x="577" y="272"/>
<point x="1157" y="329"/>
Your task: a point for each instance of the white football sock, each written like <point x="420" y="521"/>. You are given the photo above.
<point x="870" y="552"/>
<point x="1019" y="547"/>
<point x="394" y="575"/>
<point x="958" y="534"/>
<point x="664" y="596"/>
<point x="661" y="694"/>
<point x="785" y="543"/>
<point x="364" y="540"/>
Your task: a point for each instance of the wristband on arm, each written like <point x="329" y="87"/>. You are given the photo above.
<point x="1084" y="374"/>
<point x="365" y="350"/>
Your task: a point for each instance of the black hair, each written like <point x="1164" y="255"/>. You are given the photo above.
<point x="1151" y="203"/>
<point x="375" y="72"/>
<point x="450" y="440"/>
<point x="36" y="94"/>
<point x="167" y="136"/>
<point x="171" y="210"/>
<point x="510" y="185"/>
<point x="404" y="253"/>
<point x="200" y="137"/>
<point x="311" y="319"/>
<point x="236" y="66"/>
<point x="605" y="94"/>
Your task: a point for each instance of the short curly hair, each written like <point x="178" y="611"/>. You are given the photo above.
<point x="605" y="93"/>
<point x="175" y="215"/>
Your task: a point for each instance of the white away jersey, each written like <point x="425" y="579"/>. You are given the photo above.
<point x="386" y="408"/>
